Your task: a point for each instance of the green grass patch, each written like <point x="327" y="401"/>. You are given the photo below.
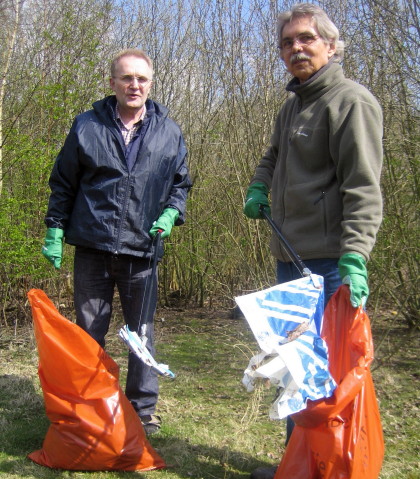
<point x="212" y="428"/>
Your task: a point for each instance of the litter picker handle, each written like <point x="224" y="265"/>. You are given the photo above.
<point x="304" y="271"/>
<point x="155" y="254"/>
<point x="149" y="281"/>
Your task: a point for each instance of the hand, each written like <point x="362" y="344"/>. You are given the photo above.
<point x="165" y="222"/>
<point x="53" y="246"/>
<point x="352" y="269"/>
<point x="256" y="196"/>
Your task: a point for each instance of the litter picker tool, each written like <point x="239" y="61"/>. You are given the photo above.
<point x="286" y="320"/>
<point x="136" y="343"/>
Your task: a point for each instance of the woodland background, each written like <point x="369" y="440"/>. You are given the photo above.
<point x="218" y="70"/>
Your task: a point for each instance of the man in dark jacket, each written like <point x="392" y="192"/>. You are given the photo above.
<point x="323" y="164"/>
<point x="120" y="177"/>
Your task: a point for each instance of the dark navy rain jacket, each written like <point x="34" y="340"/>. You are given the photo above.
<point x="101" y="203"/>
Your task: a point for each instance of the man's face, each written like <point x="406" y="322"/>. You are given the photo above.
<point x="132" y="83"/>
<point x="304" y="52"/>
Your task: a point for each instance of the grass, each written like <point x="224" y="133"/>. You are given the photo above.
<point x="212" y="428"/>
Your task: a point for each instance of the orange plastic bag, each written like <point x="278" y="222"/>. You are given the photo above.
<point x="93" y="425"/>
<point x="340" y="437"/>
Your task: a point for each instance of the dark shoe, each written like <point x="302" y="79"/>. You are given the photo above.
<point x="151" y="424"/>
<point x="264" y="473"/>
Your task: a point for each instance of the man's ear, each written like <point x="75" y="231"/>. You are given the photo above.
<point x="332" y="50"/>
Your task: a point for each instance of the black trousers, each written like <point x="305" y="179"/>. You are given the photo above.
<point x="96" y="274"/>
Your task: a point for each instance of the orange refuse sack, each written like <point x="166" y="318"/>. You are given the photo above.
<point x="93" y="426"/>
<point x="340" y="437"/>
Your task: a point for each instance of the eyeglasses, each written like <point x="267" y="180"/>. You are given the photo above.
<point x="129" y="79"/>
<point x="303" y="39"/>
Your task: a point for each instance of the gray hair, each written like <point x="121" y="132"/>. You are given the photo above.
<point x="326" y="28"/>
<point x="130" y="52"/>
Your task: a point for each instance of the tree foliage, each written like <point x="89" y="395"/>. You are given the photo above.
<point x="218" y="71"/>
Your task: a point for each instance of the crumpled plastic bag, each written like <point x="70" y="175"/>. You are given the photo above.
<point x="340" y="437"/>
<point x="286" y="320"/>
<point x="275" y="313"/>
<point x="299" y="371"/>
<point x="93" y="425"/>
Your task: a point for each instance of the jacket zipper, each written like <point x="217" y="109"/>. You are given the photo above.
<point x="123" y="211"/>
<point x="324" y="209"/>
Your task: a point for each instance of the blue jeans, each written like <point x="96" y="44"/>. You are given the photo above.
<point x="96" y="274"/>
<point x="326" y="267"/>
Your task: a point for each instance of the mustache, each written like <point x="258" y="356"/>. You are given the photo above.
<point x="297" y="57"/>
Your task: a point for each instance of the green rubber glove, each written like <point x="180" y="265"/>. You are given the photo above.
<point x="256" y="195"/>
<point x="53" y="246"/>
<point x="352" y="269"/>
<point x="165" y="222"/>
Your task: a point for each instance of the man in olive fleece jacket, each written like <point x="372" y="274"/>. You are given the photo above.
<point x="324" y="162"/>
<point x="323" y="165"/>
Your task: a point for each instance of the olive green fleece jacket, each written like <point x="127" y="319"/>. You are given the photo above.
<point x="323" y="167"/>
